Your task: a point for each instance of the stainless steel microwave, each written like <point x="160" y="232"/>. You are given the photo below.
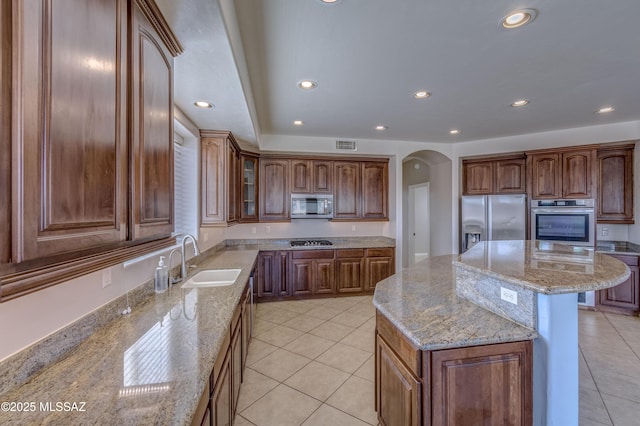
<point x="311" y="206"/>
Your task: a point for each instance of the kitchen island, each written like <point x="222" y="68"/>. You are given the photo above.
<point x="448" y="303"/>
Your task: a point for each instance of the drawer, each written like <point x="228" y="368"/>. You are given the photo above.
<point x="404" y="349"/>
<point x="345" y="253"/>
<point x="312" y="254"/>
<point x="380" y="252"/>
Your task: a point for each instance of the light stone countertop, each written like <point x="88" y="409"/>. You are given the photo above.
<point x="149" y="367"/>
<point x="544" y="267"/>
<point x="422" y="302"/>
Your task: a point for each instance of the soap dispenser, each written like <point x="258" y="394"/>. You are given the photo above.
<point x="161" y="277"/>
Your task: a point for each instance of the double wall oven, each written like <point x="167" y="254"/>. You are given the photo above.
<point x="566" y="222"/>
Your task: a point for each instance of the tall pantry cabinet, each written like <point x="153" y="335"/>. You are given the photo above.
<point x="89" y="132"/>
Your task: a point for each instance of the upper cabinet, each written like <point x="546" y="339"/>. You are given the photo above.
<point x="152" y="124"/>
<point x="220" y="178"/>
<point x="249" y="188"/>
<point x="348" y="192"/>
<point x="87" y="143"/>
<point x="71" y="149"/>
<point x="561" y="173"/>
<point x="275" y="195"/>
<point x="494" y="176"/>
<point x="615" y="184"/>
<point x="311" y="176"/>
<point x="375" y="190"/>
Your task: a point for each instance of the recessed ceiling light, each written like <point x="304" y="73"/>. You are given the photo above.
<point x="518" y="18"/>
<point x="298" y="122"/>
<point x="381" y="127"/>
<point x="454" y="131"/>
<point x="520" y="103"/>
<point x="330" y="1"/>
<point x="203" y="104"/>
<point x="606" y="110"/>
<point x="307" y="84"/>
<point x="421" y="94"/>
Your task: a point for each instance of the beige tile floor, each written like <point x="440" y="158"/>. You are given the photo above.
<point x="311" y="363"/>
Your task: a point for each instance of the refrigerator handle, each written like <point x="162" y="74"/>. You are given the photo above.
<point x="489" y="219"/>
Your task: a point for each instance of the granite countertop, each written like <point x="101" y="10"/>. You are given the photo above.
<point x="618" y="247"/>
<point x="338" y="243"/>
<point x="544" y="267"/>
<point x="149" y="367"/>
<point x="422" y="302"/>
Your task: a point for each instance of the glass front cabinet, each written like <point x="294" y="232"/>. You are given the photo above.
<point x="249" y="188"/>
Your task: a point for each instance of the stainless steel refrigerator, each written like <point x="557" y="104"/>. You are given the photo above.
<point x="492" y="217"/>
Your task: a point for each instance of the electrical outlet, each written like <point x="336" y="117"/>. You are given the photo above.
<point x="267" y="229"/>
<point x="253" y="229"/>
<point x="353" y="228"/>
<point x="106" y="277"/>
<point x="605" y="232"/>
<point x="509" y="295"/>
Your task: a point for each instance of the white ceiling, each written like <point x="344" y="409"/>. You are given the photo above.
<point x="369" y="56"/>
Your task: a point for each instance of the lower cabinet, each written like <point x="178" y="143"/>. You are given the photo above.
<point x="623" y="298"/>
<point x="490" y="384"/>
<point x="310" y="273"/>
<point x="379" y="264"/>
<point x="219" y="400"/>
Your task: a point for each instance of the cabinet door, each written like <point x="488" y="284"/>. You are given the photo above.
<point x="233" y="177"/>
<point x="247" y="318"/>
<point x="545" y="175"/>
<point x="324" y="280"/>
<point x="482" y="385"/>
<point x="70" y="186"/>
<point x="152" y="150"/>
<point x="274" y="190"/>
<point x="510" y="176"/>
<point x="212" y="157"/>
<point x="379" y="264"/>
<point x="375" y="188"/>
<point x="322" y="177"/>
<point x="301" y="277"/>
<point x="350" y="275"/>
<point x="398" y="391"/>
<point x="477" y="178"/>
<point x="623" y="295"/>
<point x="221" y="400"/>
<point x="272" y="273"/>
<point x="5" y="132"/>
<point x="577" y="171"/>
<point x="236" y="365"/>
<point x="249" y="188"/>
<point x="615" y="186"/>
<point x="347" y="196"/>
<point x="301" y="176"/>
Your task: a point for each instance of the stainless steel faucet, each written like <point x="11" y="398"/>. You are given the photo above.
<point x="196" y="252"/>
<point x="173" y="280"/>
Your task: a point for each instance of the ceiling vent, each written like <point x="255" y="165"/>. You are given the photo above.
<point x="346" y="145"/>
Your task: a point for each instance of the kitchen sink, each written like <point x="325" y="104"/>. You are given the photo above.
<point x="213" y="278"/>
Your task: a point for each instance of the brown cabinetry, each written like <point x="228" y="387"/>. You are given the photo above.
<point x="322" y="177"/>
<point x="375" y="190"/>
<point x="222" y="396"/>
<point x="348" y="193"/>
<point x="301" y="171"/>
<point x="379" y="264"/>
<point x="625" y="297"/>
<point x="275" y="195"/>
<point x="494" y="176"/>
<point x="272" y="274"/>
<point x="312" y="272"/>
<point x="220" y="176"/>
<point x="311" y="176"/>
<point x="249" y="188"/>
<point x="615" y="184"/>
<point x="350" y="270"/>
<point x="561" y="173"/>
<point x="489" y="384"/>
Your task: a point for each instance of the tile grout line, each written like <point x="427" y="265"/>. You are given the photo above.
<point x="594" y="383"/>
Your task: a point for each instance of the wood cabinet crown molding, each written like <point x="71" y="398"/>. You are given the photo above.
<point x="152" y="12"/>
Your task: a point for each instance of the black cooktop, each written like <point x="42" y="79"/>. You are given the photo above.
<point x="310" y="243"/>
